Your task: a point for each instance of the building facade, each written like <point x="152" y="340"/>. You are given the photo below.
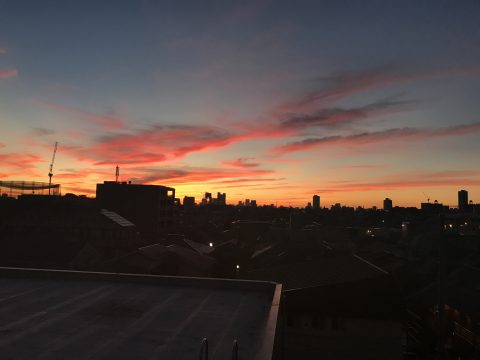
<point x="150" y="207"/>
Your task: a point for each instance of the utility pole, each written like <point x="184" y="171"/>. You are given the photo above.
<point x="117" y="174"/>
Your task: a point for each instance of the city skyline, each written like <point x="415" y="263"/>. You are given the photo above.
<point x="268" y="101"/>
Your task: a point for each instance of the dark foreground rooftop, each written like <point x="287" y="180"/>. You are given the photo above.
<point x="48" y="314"/>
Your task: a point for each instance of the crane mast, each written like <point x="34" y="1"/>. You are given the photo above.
<point x="50" y="173"/>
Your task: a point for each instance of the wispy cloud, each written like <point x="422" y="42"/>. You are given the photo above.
<point x="39" y="131"/>
<point x="398" y="185"/>
<point x="105" y="121"/>
<point x="20" y="164"/>
<point x="334" y="117"/>
<point x="129" y="144"/>
<point x="196" y="174"/>
<point x="8" y="73"/>
<point x="155" y="144"/>
<point x="241" y="163"/>
<point x="407" y="180"/>
<point x="348" y="83"/>
<point x="367" y="138"/>
<point x="361" y="166"/>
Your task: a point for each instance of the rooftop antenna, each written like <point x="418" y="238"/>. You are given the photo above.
<point x="50" y="173"/>
<point x="117" y="174"/>
<point x="428" y="197"/>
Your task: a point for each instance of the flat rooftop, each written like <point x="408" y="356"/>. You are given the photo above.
<point x="50" y="314"/>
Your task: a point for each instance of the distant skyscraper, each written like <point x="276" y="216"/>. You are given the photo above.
<point x="208" y="198"/>
<point x="221" y="198"/>
<point x="462" y="199"/>
<point x="316" y="202"/>
<point x="188" y="201"/>
<point x="387" y="204"/>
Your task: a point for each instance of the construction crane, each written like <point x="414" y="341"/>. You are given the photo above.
<point x="50" y="173"/>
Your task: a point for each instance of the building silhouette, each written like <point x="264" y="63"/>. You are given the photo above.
<point x="316" y="202"/>
<point x="207" y="198"/>
<point x="188" y="201"/>
<point x="463" y="199"/>
<point x="221" y="199"/>
<point x="387" y="204"/>
<point x="150" y="207"/>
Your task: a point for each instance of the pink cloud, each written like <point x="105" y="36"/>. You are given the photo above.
<point x="187" y="174"/>
<point x="8" y="73"/>
<point x="20" y="160"/>
<point x="154" y="144"/>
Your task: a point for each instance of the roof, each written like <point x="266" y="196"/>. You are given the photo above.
<point x="51" y="314"/>
<point x="319" y="272"/>
<point x="461" y="291"/>
<point x="375" y="298"/>
<point x="198" y="247"/>
<point x="116" y="218"/>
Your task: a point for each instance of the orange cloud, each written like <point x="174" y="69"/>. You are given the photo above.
<point x="420" y="179"/>
<point x="19" y="160"/>
<point x="190" y="175"/>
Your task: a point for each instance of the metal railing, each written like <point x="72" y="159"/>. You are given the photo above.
<point x="235" y="350"/>
<point x="204" y="350"/>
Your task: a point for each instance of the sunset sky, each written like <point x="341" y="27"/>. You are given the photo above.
<point x="270" y="100"/>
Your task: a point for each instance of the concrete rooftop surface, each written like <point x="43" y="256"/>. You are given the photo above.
<point x="49" y="314"/>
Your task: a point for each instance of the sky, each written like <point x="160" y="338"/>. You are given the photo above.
<point x="269" y="100"/>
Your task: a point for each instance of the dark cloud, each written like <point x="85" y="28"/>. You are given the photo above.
<point x="379" y="136"/>
<point x="42" y="131"/>
<point x="331" y="117"/>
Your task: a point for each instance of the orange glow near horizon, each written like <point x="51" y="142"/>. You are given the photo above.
<point x="353" y="136"/>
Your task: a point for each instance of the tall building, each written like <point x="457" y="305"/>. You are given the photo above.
<point x="316" y="202"/>
<point x="150" y="207"/>
<point x="387" y="204"/>
<point x="207" y="198"/>
<point x="221" y="198"/>
<point x="462" y="199"/>
<point x="188" y="201"/>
